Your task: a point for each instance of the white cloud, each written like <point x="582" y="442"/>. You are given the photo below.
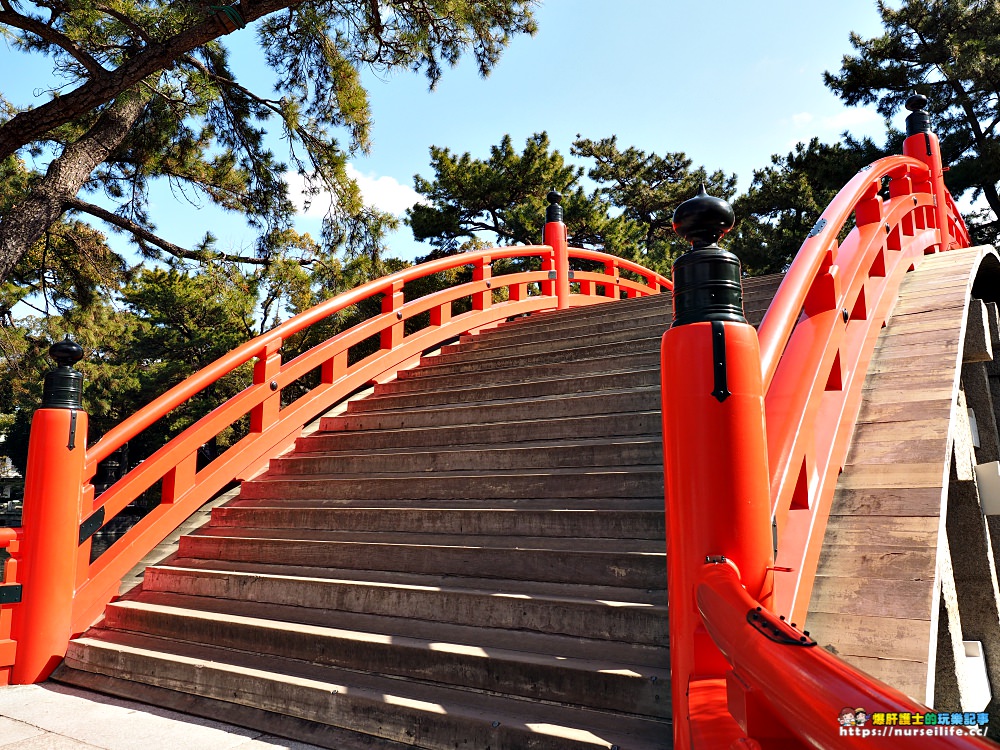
<point x="843" y="120"/>
<point x="385" y="193"/>
<point x="858" y="120"/>
<point x="851" y="118"/>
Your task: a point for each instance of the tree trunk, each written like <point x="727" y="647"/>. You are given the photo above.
<point x="28" y="219"/>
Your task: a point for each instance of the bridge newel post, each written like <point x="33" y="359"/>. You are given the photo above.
<point x="922" y="144"/>
<point x="57" y="447"/>
<point x="555" y="236"/>
<point x="714" y="448"/>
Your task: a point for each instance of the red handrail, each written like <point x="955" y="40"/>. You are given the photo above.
<point x="274" y="426"/>
<point x="816" y="341"/>
<point x="805" y="685"/>
<point x="754" y="676"/>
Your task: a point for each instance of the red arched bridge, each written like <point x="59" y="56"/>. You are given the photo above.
<point x="470" y="553"/>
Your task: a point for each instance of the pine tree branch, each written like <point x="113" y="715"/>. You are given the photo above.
<point x="17" y="20"/>
<point x="376" y="19"/>
<point x="126" y="22"/>
<point x="145" y="236"/>
<point x="271" y="104"/>
<point x="32" y="124"/>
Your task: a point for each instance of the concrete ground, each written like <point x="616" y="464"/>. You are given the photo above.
<point x="56" y="717"/>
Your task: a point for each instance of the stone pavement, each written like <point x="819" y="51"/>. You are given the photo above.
<point x="57" y="717"/>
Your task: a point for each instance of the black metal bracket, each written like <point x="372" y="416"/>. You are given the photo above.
<point x="72" y="430"/>
<point x="721" y="392"/>
<point x="89" y="527"/>
<point x="777" y="630"/>
<point x="10" y="593"/>
<point x="553" y="275"/>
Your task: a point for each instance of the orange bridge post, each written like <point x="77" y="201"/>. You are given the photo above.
<point x="715" y="461"/>
<point x="51" y="520"/>
<point x="922" y="144"/>
<point x="555" y="236"/>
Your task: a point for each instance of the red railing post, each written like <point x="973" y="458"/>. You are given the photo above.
<point x="483" y="272"/>
<point x="265" y="370"/>
<point x="556" y="237"/>
<point x="392" y="336"/>
<point x="714" y="451"/>
<point x="612" y="271"/>
<point x="922" y="144"/>
<point x="57" y="447"/>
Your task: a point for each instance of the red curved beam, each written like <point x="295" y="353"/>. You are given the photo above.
<point x="783" y="313"/>
<point x="816" y="341"/>
<point x="805" y="685"/>
<point x="142" y="419"/>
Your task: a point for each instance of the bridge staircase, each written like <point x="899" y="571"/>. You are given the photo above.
<point x="474" y="551"/>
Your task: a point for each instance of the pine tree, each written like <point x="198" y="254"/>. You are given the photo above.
<point x="786" y="198"/>
<point x="948" y="50"/>
<point x="626" y="214"/>
<point x="148" y="92"/>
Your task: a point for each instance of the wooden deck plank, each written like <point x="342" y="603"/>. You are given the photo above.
<point x="901" y="429"/>
<point x="924" y="501"/>
<point x="941" y="408"/>
<point x="866" y="475"/>
<point x="856" y="635"/>
<point x="872" y="561"/>
<point x="908" y="324"/>
<point x="912" y="364"/>
<point x="885" y="531"/>
<point x="913" y="350"/>
<point x="937" y="336"/>
<point x="917" y="392"/>
<point x="893" y="381"/>
<point x="892" y="451"/>
<point x="837" y="594"/>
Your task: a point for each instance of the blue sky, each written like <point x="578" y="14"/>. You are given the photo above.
<point x="728" y="83"/>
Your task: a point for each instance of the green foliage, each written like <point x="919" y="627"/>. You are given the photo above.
<point x="193" y="123"/>
<point x="785" y="199"/>
<point x="148" y="93"/>
<point x="948" y="50"/>
<point x="626" y="214"/>
<point x="646" y="188"/>
<point x="503" y="195"/>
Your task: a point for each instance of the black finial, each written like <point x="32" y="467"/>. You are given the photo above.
<point x="703" y="220"/>
<point x="63" y="386"/>
<point x="919" y="120"/>
<point x="66" y="353"/>
<point x="554" y="212"/>
<point x="707" y="283"/>
<point x="916" y="102"/>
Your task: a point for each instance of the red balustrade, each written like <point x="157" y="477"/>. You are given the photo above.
<point x="34" y="632"/>
<point x="742" y="676"/>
